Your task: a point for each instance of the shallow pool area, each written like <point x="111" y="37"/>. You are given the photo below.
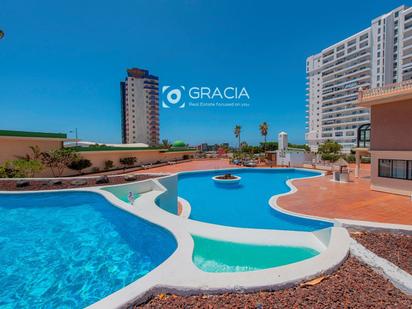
<point x="223" y="256"/>
<point x="245" y="204"/>
<point x="71" y="249"/>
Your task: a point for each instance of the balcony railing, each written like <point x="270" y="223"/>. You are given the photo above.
<point x="388" y="89"/>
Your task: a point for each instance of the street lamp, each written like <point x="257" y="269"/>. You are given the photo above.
<point x="75" y="131"/>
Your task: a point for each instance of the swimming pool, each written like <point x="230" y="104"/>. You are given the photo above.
<point x="71" y="249"/>
<point x="244" y="205"/>
<point x="224" y="256"/>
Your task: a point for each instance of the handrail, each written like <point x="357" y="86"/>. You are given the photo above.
<point x="387" y="89"/>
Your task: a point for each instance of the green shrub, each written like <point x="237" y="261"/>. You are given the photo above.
<point x="332" y="157"/>
<point x="366" y="160"/>
<point x="20" y="168"/>
<point x="128" y="161"/>
<point x="350" y="158"/>
<point x="108" y="165"/>
<point x="79" y="165"/>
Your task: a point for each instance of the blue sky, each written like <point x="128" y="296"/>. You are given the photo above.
<point x="61" y="61"/>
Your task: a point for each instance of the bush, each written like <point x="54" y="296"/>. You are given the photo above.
<point x="332" y="157"/>
<point x="350" y="158"/>
<point x="128" y="161"/>
<point x="108" y="165"/>
<point x="79" y="165"/>
<point x="366" y="160"/>
<point x="20" y="168"/>
<point x="57" y="160"/>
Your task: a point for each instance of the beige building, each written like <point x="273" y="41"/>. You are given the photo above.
<point x="389" y="137"/>
<point x="140" y="108"/>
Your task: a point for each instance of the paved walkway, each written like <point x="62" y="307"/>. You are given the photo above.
<point x="322" y="197"/>
<point x="191" y="166"/>
<point x="354" y="200"/>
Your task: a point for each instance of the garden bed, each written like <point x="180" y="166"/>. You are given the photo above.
<point x="396" y="248"/>
<point x="353" y="285"/>
<point x="10" y="185"/>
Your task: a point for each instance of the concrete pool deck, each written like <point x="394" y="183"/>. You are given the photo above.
<point x="323" y="198"/>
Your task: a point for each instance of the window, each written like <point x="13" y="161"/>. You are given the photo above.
<point x="399" y="169"/>
<point x="409" y="169"/>
<point x="384" y="168"/>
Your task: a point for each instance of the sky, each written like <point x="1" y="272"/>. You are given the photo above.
<point x="61" y="62"/>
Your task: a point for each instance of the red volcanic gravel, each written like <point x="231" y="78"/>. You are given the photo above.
<point x="10" y="185"/>
<point x="396" y="248"/>
<point x="353" y="285"/>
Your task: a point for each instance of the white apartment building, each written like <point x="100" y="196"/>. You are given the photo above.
<point x="374" y="57"/>
<point x="140" y="107"/>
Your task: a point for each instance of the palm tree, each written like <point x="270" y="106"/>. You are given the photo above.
<point x="264" y="128"/>
<point x="165" y="143"/>
<point x="237" y="133"/>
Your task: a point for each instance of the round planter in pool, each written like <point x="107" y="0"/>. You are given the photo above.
<point x="234" y="180"/>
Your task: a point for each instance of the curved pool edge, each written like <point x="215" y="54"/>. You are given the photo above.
<point x="178" y="273"/>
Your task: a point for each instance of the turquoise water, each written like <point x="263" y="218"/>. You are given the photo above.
<point x="221" y="256"/>
<point x="122" y="192"/>
<point x="246" y="204"/>
<point x="71" y="249"/>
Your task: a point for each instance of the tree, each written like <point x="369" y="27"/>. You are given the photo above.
<point x="79" y="165"/>
<point x="264" y="128"/>
<point x="57" y="160"/>
<point x="165" y="143"/>
<point x="34" y="155"/>
<point x="128" y="161"/>
<point x="330" y="150"/>
<point x="237" y="133"/>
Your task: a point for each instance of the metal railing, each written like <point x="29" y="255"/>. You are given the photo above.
<point x="388" y="89"/>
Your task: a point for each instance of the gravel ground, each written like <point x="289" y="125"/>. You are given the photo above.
<point x="10" y="185"/>
<point x="396" y="248"/>
<point x="353" y="285"/>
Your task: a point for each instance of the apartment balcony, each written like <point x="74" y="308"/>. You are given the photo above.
<point x="351" y="115"/>
<point x="350" y="86"/>
<point x="342" y="109"/>
<point x="344" y="96"/>
<point x="349" y="56"/>
<point x="338" y="70"/>
<point x="334" y="123"/>
<point x="353" y="77"/>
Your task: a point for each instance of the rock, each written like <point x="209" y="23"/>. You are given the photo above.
<point x="102" y="179"/>
<point x="54" y="182"/>
<point x="22" y="183"/>
<point x="78" y="182"/>
<point x="130" y="177"/>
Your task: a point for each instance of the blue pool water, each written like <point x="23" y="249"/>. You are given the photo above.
<point x="71" y="249"/>
<point x="246" y="204"/>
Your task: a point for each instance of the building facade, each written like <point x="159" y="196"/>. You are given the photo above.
<point x="389" y="139"/>
<point x="377" y="56"/>
<point x="140" y="108"/>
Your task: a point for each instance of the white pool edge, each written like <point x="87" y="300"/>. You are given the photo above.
<point x="178" y="274"/>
